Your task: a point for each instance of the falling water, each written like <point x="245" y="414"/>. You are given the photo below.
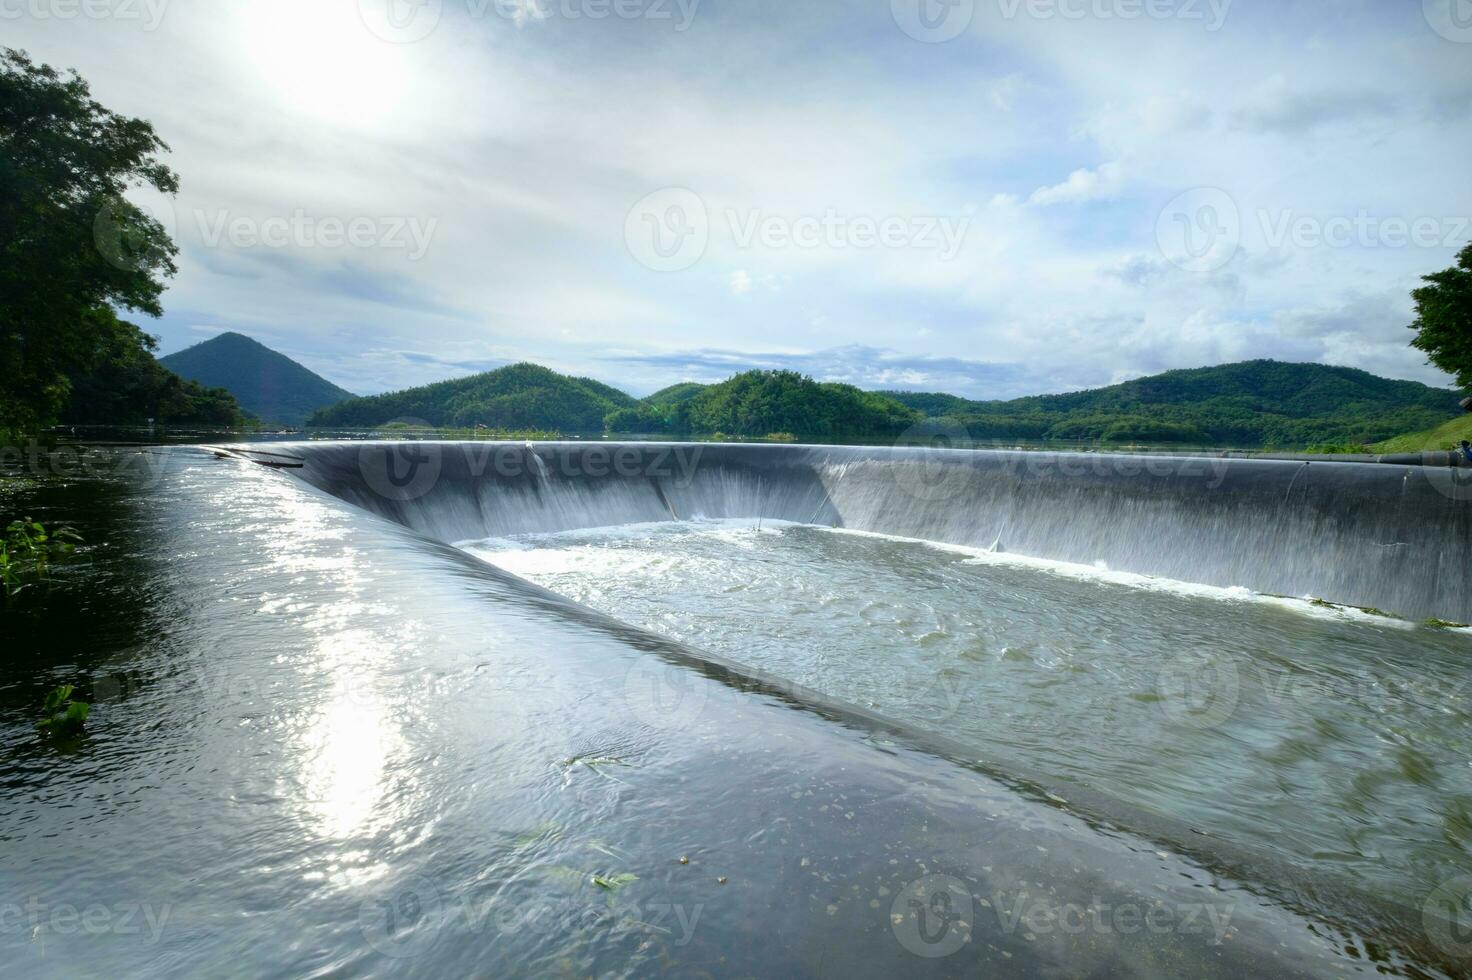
<point x="1258" y="524"/>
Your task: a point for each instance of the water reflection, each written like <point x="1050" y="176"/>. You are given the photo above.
<point x="345" y="752"/>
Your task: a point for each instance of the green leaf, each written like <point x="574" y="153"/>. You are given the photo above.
<point x="614" y="882"/>
<point x="56" y="699"/>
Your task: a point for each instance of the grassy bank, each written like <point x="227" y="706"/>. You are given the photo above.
<point x="1446" y="436"/>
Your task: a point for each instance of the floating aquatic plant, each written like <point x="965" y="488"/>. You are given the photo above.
<point x="27" y="550"/>
<point x="615" y="882"/>
<point x="1367" y="610"/>
<point x="612" y="884"/>
<point x="594" y="764"/>
<point x="62" y="716"/>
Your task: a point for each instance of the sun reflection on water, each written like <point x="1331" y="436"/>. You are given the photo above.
<point x="348" y="746"/>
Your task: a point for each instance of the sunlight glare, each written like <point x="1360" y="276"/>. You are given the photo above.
<point x="321" y="59"/>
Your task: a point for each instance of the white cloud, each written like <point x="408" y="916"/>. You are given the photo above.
<point x="1275" y="106"/>
<point x="1005" y="91"/>
<point x="530" y="146"/>
<point x="1082" y="185"/>
<point x="522" y="11"/>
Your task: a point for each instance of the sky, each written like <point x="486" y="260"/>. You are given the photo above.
<point x="988" y="197"/>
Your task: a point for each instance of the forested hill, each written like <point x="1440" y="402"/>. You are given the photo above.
<point x="763" y="403"/>
<point x="520" y="396"/>
<point x="267" y="384"/>
<point x="676" y="393"/>
<point x="1251" y="403"/>
<point x="527" y="396"/>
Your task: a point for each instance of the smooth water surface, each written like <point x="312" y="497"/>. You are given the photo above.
<point x="1339" y="741"/>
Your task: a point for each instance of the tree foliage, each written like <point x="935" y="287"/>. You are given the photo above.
<point x="127" y="386"/>
<point x="759" y="403"/>
<point x="676" y="394"/>
<point x="1444" y="318"/>
<point x="648" y="419"/>
<point x="72" y="248"/>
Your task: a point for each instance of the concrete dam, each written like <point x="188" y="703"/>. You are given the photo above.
<point x="1391" y="537"/>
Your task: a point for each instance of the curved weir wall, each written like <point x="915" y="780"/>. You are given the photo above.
<point x="1397" y="538"/>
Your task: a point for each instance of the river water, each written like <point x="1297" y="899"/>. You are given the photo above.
<point x="324" y="744"/>
<point x="1334" y="739"/>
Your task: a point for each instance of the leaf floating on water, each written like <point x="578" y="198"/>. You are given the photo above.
<point x="594" y="760"/>
<point x="615" y="882"/>
<point x="594" y="764"/>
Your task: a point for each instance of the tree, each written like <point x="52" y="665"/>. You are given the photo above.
<point x="127" y="386"/>
<point x="1444" y="318"/>
<point x="755" y="403"/>
<point x="71" y="247"/>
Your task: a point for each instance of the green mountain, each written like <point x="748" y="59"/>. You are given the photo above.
<point x="760" y="403"/>
<point x="267" y="384"/>
<point x="1251" y="403"/>
<point x="521" y="396"/>
<point x="675" y="394"/>
<point x="665" y="411"/>
<point x="933" y="404"/>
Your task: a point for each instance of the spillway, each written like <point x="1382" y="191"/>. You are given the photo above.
<point x="1392" y="537"/>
